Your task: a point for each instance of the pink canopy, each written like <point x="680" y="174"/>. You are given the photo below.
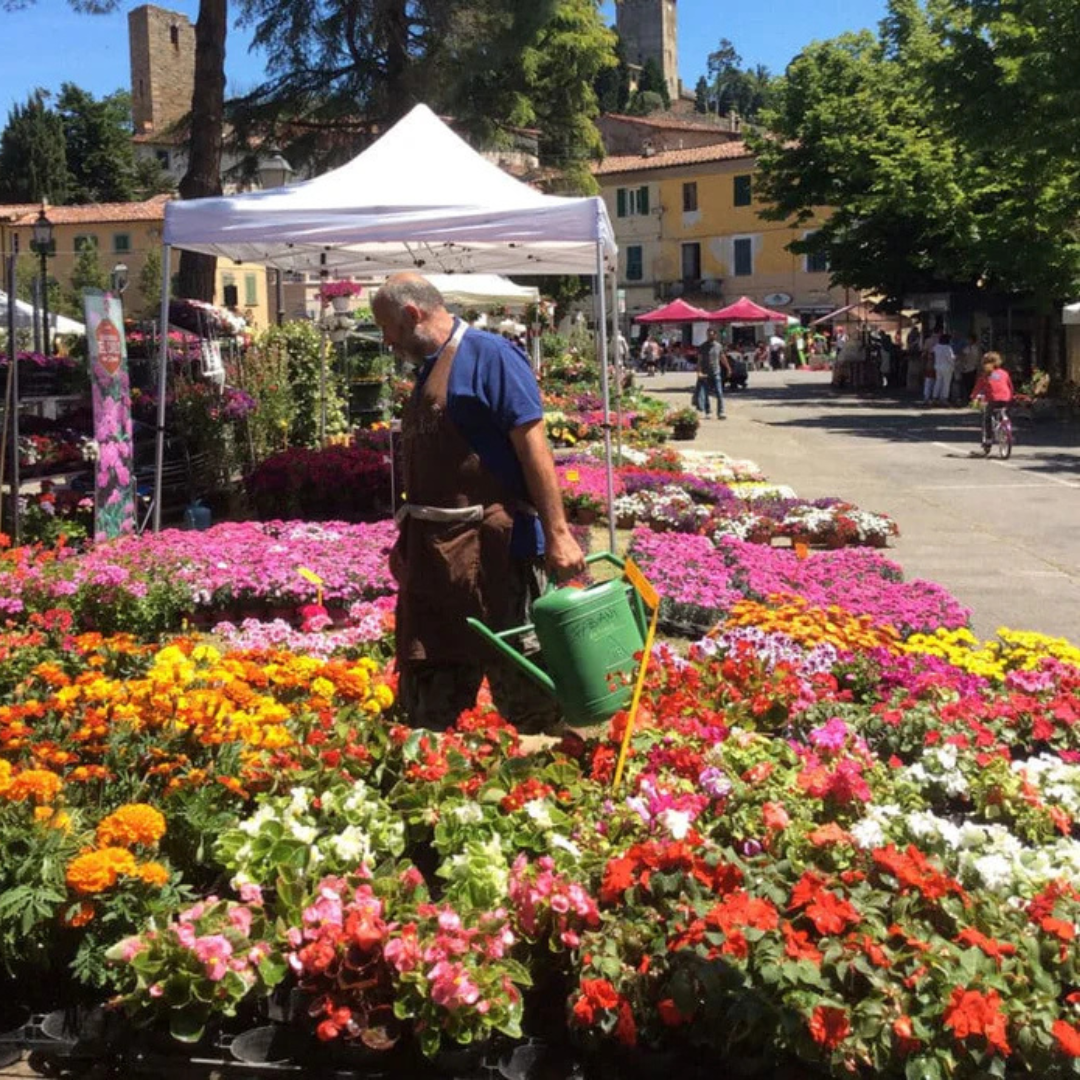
<point x="745" y="310"/>
<point x="676" y="312"/>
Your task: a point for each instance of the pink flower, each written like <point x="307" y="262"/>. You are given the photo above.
<point x="451" y="986"/>
<point x="404" y="951"/>
<point x="214" y="951"/>
<point x="131" y="947"/>
<point x="240" y="917"/>
<point x="155" y="990"/>
<point x="185" y="934"/>
<point x="251" y="893"/>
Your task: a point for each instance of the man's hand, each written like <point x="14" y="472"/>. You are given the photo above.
<point x="564" y="556"/>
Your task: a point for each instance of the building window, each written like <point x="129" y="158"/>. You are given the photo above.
<point x="85" y="241"/>
<point x="251" y="290"/>
<point x="742" y="190"/>
<point x="121" y="243"/>
<point x="174" y="36"/>
<point x="689" y="196"/>
<point x="744" y="256"/>
<point x="634" y="267"/>
<point x="817" y="262"/>
<point x="163" y="158"/>
<point x="632" y="202"/>
<point x="691" y="262"/>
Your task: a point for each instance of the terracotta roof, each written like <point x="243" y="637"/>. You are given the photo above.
<point x="672" y="123"/>
<point x="662" y="159"/>
<point x="90" y="214"/>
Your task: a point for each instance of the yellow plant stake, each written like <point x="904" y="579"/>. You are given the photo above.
<point x="310" y="575"/>
<point x="648" y="593"/>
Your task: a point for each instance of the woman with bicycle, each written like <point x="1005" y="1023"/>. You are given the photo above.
<point x="994" y="389"/>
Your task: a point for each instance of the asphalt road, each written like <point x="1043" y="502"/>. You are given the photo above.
<point x="1001" y="536"/>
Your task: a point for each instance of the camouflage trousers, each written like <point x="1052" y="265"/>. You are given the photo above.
<point x="434" y="694"/>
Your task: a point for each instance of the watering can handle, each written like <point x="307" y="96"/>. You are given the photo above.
<point x="496" y="639"/>
<point x="599" y="556"/>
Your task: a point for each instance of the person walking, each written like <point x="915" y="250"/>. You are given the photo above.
<point x="968" y="366"/>
<point x="711" y="360"/>
<point x="944" y="368"/>
<point x="484" y="525"/>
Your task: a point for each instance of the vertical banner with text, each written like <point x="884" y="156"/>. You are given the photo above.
<point x="114" y="474"/>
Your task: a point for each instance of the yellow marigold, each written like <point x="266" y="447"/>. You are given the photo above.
<point x="36" y="785"/>
<point x="55" y="819"/>
<point x="322" y="687"/>
<point x="153" y="873"/>
<point x="5" y="776"/>
<point x="96" y="871"/>
<point x="135" y="823"/>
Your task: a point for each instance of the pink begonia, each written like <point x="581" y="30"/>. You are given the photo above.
<point x="131" y="947"/>
<point x="240" y="918"/>
<point x="214" y="951"/>
<point x="251" y="893"/>
<point x="404" y="951"/>
<point x="451" y="986"/>
<point x="155" y="990"/>
<point x="185" y="934"/>
<point x="830" y="736"/>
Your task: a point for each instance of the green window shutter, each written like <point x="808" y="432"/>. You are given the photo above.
<point x="251" y="290"/>
<point x="643" y="199"/>
<point x="620" y="202"/>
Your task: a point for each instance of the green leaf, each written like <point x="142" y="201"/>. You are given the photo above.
<point x="188" y="1025"/>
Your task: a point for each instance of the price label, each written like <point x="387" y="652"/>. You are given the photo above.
<point x="632" y="573"/>
<point x="309" y="575"/>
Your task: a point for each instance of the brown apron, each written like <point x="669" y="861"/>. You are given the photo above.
<point x="455" y="569"/>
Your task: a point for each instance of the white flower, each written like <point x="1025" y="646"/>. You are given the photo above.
<point x="539" y="811"/>
<point x="995" y="872"/>
<point x="559" y="842"/>
<point x="677" y="822"/>
<point x="351" y="846"/>
<point x="467" y="813"/>
<point x="306" y="834"/>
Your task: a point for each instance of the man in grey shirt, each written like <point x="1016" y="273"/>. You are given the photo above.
<point x="711" y="359"/>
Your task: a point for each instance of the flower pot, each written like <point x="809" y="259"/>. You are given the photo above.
<point x="455" y="1060"/>
<point x="584" y="515"/>
<point x="365" y="395"/>
<point x="268" y="1045"/>
<point x="684" y="431"/>
<point x="341" y="304"/>
<point x="337" y="336"/>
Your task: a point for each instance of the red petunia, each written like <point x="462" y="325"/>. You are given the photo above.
<point x="830" y="913"/>
<point x="1068" y="1038"/>
<point x="971" y="1012"/>
<point x="829" y="1026"/>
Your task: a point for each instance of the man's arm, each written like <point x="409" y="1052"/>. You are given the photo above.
<point x="564" y="556"/>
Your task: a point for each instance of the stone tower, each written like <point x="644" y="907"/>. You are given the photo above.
<point x="162" y="45"/>
<point x="649" y="28"/>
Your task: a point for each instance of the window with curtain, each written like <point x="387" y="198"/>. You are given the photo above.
<point x="744" y="256"/>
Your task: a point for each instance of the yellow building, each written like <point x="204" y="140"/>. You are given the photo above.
<point x="687" y="224"/>
<point x="125" y="234"/>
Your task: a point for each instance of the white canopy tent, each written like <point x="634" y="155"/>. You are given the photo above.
<point x="24" y="316"/>
<point x="420" y="198"/>
<point x="483" y="290"/>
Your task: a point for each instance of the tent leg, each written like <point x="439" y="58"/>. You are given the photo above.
<point x="605" y="391"/>
<point x="163" y="382"/>
<point x="616" y="361"/>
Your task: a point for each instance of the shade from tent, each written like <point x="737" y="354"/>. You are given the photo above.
<point x="420" y="198"/>
<point x="863" y="312"/>
<point x="483" y="290"/>
<point x="24" y="315"/>
<point x="745" y="310"/>
<point x="678" y="311"/>
<point x="1070" y="315"/>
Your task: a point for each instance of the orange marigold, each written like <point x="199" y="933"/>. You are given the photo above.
<point x="96" y="871"/>
<point x="135" y="823"/>
<point x="79" y="916"/>
<point x="34" y="785"/>
<point x="153" y="873"/>
<point x="55" y="819"/>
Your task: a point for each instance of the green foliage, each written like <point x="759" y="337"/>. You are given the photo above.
<point x="701" y="95"/>
<point x="612" y="85"/>
<point x="87" y="273"/>
<point x="149" y="290"/>
<point x="100" y="156"/>
<point x="33" y="161"/>
<point x="652" y="81"/>
<point x="283" y="373"/>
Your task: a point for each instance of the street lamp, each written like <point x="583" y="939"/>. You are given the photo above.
<point x="43" y="234"/>
<point x="275" y="171"/>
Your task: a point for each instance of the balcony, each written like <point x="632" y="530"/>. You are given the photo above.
<point x="671" y="290"/>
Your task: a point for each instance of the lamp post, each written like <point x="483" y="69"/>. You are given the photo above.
<point x="43" y="234"/>
<point x="119" y="278"/>
<point x="275" y="171"/>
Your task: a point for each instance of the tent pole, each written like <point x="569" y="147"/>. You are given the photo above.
<point x="163" y="382"/>
<point x="322" y="389"/>
<point x="616" y="359"/>
<point x="605" y="391"/>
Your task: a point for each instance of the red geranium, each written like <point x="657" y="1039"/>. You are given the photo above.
<point x="971" y="1012"/>
<point x="829" y="1026"/>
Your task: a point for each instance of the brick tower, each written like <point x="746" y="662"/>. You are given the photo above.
<point x="649" y="29"/>
<point x="162" y="47"/>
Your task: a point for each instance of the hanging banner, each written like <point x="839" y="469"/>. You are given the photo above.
<point x="114" y="474"/>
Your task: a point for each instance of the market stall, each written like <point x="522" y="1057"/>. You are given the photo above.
<point x="381" y="212"/>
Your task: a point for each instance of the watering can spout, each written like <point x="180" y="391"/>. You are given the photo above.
<point x="538" y="676"/>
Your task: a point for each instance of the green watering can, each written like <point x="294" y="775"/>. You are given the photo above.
<point x="588" y="641"/>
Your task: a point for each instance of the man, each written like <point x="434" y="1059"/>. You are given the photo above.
<point x="484" y="519"/>
<point x="710" y="360"/>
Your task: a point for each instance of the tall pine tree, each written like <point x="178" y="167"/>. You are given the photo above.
<point x="33" y="162"/>
<point x="100" y="157"/>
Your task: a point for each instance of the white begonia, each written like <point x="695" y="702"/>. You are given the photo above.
<point x="253" y="824"/>
<point x="562" y="843"/>
<point x="299" y="800"/>
<point x="677" y="822"/>
<point x="306" y="834"/>
<point x="467" y="813"/>
<point x="357" y="800"/>
<point x="351" y="845"/>
<point x="995" y="872"/>
<point x="539" y="811"/>
<point x="871" y="830"/>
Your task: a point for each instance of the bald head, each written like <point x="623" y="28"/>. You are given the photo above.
<point x="412" y="315"/>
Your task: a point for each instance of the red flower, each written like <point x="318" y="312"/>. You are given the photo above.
<point x="1068" y="1038"/>
<point x="625" y="1028"/>
<point x="829" y="1026"/>
<point x="776" y="817"/>
<point x="904" y="1031"/>
<point x="798" y="946"/>
<point x="971" y="1012"/>
<point x="995" y="949"/>
<point x="619" y="875"/>
<point x="600" y="993"/>
<point x="1061" y="929"/>
<point x="830" y="913"/>
<point x="670" y="1015"/>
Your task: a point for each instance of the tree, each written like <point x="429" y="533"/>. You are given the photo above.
<point x="100" y="156"/>
<point x="207" y="118"/>
<point x="150" y="284"/>
<point x="651" y="80"/>
<point x="348" y="68"/>
<point x="33" y="162"/>
<point x="613" y="83"/>
<point x="701" y="95"/>
<point x="87" y="273"/>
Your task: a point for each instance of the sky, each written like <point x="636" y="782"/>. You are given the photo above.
<point x="48" y="44"/>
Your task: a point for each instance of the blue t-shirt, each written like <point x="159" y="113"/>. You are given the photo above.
<point x="491" y="391"/>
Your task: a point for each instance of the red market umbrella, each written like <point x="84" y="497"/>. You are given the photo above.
<point x="678" y="311"/>
<point x="745" y="310"/>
